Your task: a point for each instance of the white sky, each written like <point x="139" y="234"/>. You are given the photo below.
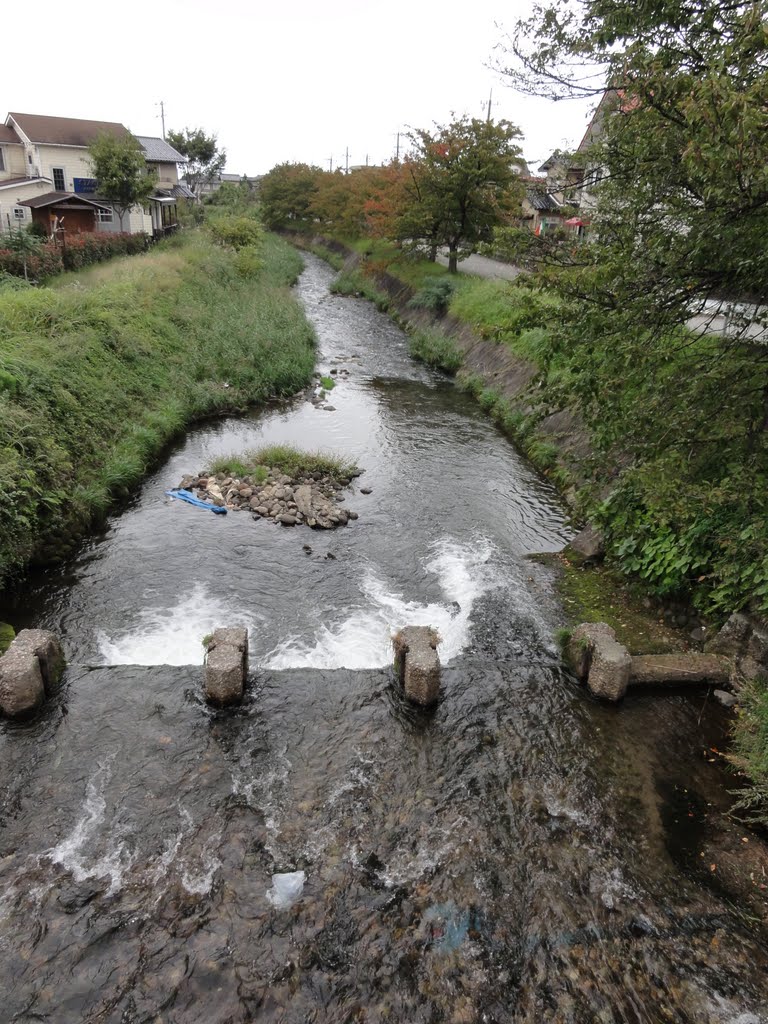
<point x="298" y="80"/>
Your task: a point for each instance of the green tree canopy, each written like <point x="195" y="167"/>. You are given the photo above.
<point x="287" y="194"/>
<point x="206" y="160"/>
<point x="679" y="212"/>
<point x="119" y="166"/>
<point x="460" y="183"/>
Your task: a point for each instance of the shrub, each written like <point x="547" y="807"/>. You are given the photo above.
<point x="248" y="261"/>
<point x="434" y="296"/>
<point x="236" y="232"/>
<point x="435" y="349"/>
<point x="49" y="258"/>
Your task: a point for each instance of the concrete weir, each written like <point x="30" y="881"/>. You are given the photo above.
<point x="417" y="663"/>
<point x="29" y="671"/>
<point x="595" y="656"/>
<point x="226" y="666"/>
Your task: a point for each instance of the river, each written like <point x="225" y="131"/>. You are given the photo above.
<point x="326" y="852"/>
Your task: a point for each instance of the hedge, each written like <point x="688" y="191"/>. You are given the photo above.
<point x="51" y="257"/>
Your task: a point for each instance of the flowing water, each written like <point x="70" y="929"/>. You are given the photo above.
<point x="326" y="852"/>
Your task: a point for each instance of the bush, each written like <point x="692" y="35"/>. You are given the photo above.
<point x="435" y="349"/>
<point x="248" y="261"/>
<point x="49" y="258"/>
<point x="236" y="232"/>
<point x="434" y="296"/>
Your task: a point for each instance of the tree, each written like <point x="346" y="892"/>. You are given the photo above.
<point x="287" y="193"/>
<point x="119" y="166"/>
<point x="205" y="159"/>
<point x="339" y="203"/>
<point x="460" y="182"/>
<point x="684" y="191"/>
<point x="680" y="221"/>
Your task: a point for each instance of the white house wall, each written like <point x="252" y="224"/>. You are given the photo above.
<point x="11" y="197"/>
<point x="13" y="161"/>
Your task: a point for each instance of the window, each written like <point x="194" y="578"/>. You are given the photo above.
<point x="29" y="158"/>
<point x="18" y="213"/>
<point x="104" y="216"/>
<point x="59" y="180"/>
<point x="2" y="160"/>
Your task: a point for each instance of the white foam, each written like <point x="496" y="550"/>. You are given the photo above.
<point x="75" y="853"/>
<point x="286" y="889"/>
<point x="172" y="636"/>
<point x="364" y="638"/>
<point x="198" y="880"/>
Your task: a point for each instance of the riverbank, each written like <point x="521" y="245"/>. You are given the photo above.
<point x="496" y="340"/>
<point x="100" y="372"/>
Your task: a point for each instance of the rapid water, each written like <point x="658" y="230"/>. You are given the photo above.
<point x="325" y="852"/>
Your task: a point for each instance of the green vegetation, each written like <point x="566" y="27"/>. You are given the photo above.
<point x="291" y="461"/>
<point x="328" y="383"/>
<point x="599" y="594"/>
<point x="204" y="158"/>
<point x="434" y="296"/>
<point x="456" y="184"/>
<point x="436" y="349"/>
<point x="237" y="232"/>
<point x="7" y="633"/>
<point x="120" y="166"/>
<point x="750" y="741"/>
<point x="100" y="371"/>
<point x="356" y="282"/>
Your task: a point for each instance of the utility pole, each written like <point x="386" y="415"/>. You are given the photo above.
<point x="162" y="116"/>
<point x="346" y="165"/>
<point x="397" y="148"/>
<point x="490" y="101"/>
<point x="330" y="164"/>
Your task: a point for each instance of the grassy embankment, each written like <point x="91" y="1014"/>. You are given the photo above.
<point x="100" y="370"/>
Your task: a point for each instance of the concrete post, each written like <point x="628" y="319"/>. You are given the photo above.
<point x="29" y="671"/>
<point x="417" y="663"/>
<point x="226" y="666"/>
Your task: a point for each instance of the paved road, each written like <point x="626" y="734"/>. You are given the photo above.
<point x="729" y="318"/>
<point x="482" y="266"/>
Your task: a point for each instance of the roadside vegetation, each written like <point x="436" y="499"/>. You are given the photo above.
<point x="100" y="371"/>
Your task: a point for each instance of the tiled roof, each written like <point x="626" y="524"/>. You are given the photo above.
<point x="159" y="151"/>
<point x="65" y="131"/>
<point x="542" y="200"/>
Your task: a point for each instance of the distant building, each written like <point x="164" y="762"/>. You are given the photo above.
<point x="209" y="187"/>
<point x="46" y="177"/>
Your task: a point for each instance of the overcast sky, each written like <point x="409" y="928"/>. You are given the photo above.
<point x="299" y="80"/>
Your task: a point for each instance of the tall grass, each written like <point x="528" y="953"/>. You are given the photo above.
<point x="294" y="462"/>
<point x="100" y="371"/>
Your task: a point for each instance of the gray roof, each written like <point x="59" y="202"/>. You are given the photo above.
<point x="542" y="200"/>
<point x="180" y="191"/>
<point x="158" y="151"/>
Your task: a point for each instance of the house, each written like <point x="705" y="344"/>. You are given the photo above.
<point x="46" y="177"/>
<point x="541" y="211"/>
<point x="163" y="162"/>
<point x="209" y="187"/>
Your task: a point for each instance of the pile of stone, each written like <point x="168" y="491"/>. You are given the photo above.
<point x="312" y="499"/>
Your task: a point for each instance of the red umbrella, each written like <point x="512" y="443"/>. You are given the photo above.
<point x="576" y="222"/>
